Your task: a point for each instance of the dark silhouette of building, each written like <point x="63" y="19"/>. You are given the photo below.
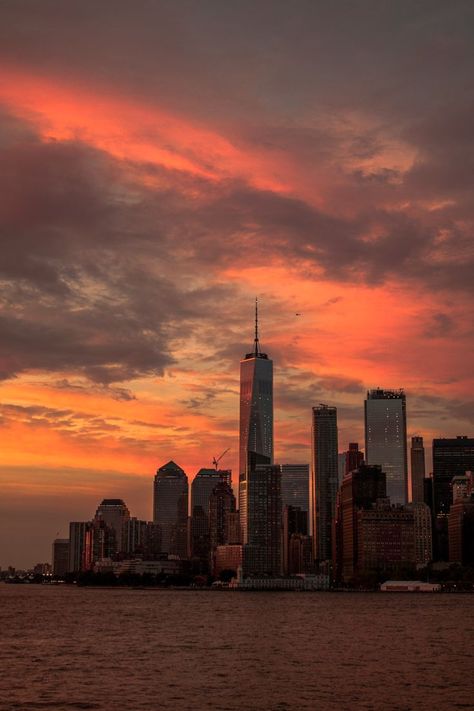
<point x="386" y="539"/>
<point x="77" y="533"/>
<point x="114" y="513"/>
<point x="297" y="547"/>
<point x="60" y="556"/>
<point x="170" y="508"/>
<point x="134" y="537"/>
<point x="324" y="478"/>
<point x="199" y="538"/>
<point x="221" y="506"/>
<point x="202" y="487"/>
<point x="386" y="439"/>
<point x="461" y="531"/>
<point x="256" y="417"/>
<point x="262" y="553"/>
<point x="295" y="485"/>
<point x="417" y="470"/>
<point x="360" y="490"/>
<point x="451" y="457"/>
<point x="354" y="457"/>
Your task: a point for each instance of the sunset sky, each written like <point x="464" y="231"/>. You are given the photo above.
<point x="163" y="163"/>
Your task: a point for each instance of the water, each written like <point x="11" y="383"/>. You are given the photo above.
<point x="75" y="648"/>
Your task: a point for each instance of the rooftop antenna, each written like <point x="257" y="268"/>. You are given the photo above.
<point x="257" y="346"/>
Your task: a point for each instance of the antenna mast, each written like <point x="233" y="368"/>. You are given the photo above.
<point x="257" y="346"/>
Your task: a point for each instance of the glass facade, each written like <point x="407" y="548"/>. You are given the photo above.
<point x="170" y="508"/>
<point x="295" y="485"/>
<point x="386" y="439"/>
<point x="324" y="479"/>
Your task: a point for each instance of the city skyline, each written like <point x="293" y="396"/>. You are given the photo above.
<point x="156" y="181"/>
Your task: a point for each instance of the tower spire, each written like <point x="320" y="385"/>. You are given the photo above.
<point x="257" y="345"/>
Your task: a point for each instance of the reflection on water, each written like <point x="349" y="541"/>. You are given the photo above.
<point x="70" y="648"/>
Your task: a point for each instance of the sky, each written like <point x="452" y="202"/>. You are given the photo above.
<point x="163" y="163"/>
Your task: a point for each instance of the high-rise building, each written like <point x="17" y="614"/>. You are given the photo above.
<point x="354" y="457"/>
<point x="170" y="508"/>
<point x="461" y="531"/>
<point x="262" y="554"/>
<point x="359" y="490"/>
<point x="386" y="538"/>
<point x="77" y="533"/>
<point x="451" y="457"/>
<point x="324" y="478"/>
<point x="295" y="486"/>
<point x="114" y="513"/>
<point x="134" y="536"/>
<point x="422" y="532"/>
<point x="297" y="549"/>
<point x="417" y="472"/>
<point x="462" y="486"/>
<point x="256" y="416"/>
<point x="221" y="505"/>
<point x="60" y="556"/>
<point x="203" y="485"/>
<point x="386" y="439"/>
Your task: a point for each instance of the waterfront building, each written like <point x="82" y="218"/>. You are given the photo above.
<point x="228" y="557"/>
<point x="451" y="457"/>
<point x="77" y="533"/>
<point x="353" y="457"/>
<point x="295" y="484"/>
<point x="422" y="531"/>
<point x="359" y="490"/>
<point x="60" y="556"/>
<point x="461" y="531"/>
<point x="262" y="555"/>
<point x="296" y="553"/>
<point x="256" y="417"/>
<point x="114" y="513"/>
<point x="134" y="536"/>
<point x="386" y="538"/>
<point x="324" y="478"/>
<point x="199" y="538"/>
<point x="417" y="469"/>
<point x="386" y="439"/>
<point x="170" y="508"/>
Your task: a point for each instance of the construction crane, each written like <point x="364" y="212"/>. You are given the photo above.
<point x="216" y="461"/>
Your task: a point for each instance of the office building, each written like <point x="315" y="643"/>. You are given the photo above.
<point x="203" y="485"/>
<point x="77" y="532"/>
<point x="422" y="522"/>
<point x="417" y="470"/>
<point x="297" y="545"/>
<point x="386" y="439"/>
<point x="256" y="417"/>
<point x="170" y="508"/>
<point x="262" y="554"/>
<point x="60" y="556"/>
<point x="354" y="457"/>
<point x="462" y="486"/>
<point x="221" y="507"/>
<point x="386" y="539"/>
<point x="295" y="486"/>
<point x="134" y="536"/>
<point x="360" y="490"/>
<point x="324" y="478"/>
<point x="114" y="513"/>
<point x="461" y="531"/>
<point x="451" y="457"/>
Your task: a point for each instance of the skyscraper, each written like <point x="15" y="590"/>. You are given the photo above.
<point x="324" y="478"/>
<point x="295" y="486"/>
<point x="170" y="508"/>
<point x="451" y="457"/>
<point x="262" y="554"/>
<point x="114" y="513"/>
<point x="354" y="457"/>
<point x="77" y="534"/>
<point x="256" y="416"/>
<point x="386" y="439"/>
<point x="60" y="556"/>
<point x="417" y="471"/>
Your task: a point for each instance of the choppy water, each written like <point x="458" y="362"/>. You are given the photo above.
<point x="69" y="648"/>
